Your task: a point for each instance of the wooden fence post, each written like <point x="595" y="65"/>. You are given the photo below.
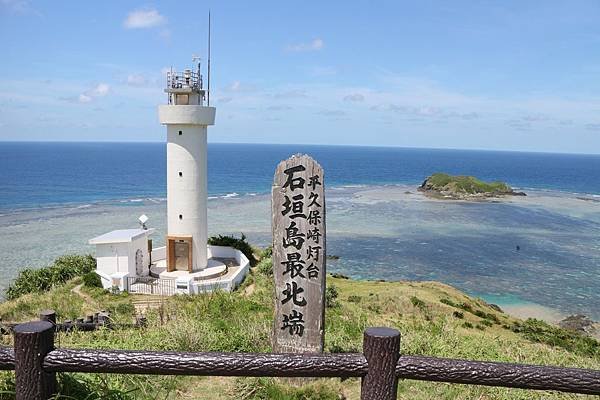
<point x="33" y="340"/>
<point x="48" y="315"/>
<point x="381" y="347"/>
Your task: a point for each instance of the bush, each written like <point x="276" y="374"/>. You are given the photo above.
<point x="458" y="314"/>
<point x="542" y="332"/>
<point x="240" y="244"/>
<point x="354" y="298"/>
<point x="339" y="276"/>
<point x="265" y="266"/>
<point x="418" y="303"/>
<point x="91" y="279"/>
<point x="467" y="325"/>
<point x="64" y="268"/>
<point x="331" y="295"/>
<point x="267" y="252"/>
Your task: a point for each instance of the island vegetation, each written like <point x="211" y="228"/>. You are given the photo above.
<point x="459" y="187"/>
<point x="435" y="319"/>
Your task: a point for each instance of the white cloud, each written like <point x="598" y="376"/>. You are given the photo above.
<point x="18" y="7"/>
<point x="84" y="98"/>
<point x="240" y="87"/>
<point x="332" y="113"/>
<point x="136" y="80"/>
<point x="144" y="18"/>
<point x="291" y="94"/>
<point x="99" y="90"/>
<point x="279" y="108"/>
<point x="315" y="45"/>
<point x="593" y="127"/>
<point x="356" y="97"/>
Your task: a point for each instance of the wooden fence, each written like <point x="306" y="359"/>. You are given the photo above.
<point x="36" y="361"/>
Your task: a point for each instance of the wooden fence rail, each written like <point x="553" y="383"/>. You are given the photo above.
<point x="36" y="362"/>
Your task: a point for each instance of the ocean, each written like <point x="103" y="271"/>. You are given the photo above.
<point x="55" y="196"/>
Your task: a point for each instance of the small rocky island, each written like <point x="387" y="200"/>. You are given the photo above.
<point x="444" y="186"/>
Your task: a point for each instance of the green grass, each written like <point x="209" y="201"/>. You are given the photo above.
<point x="38" y="280"/>
<point x="466" y="184"/>
<point x="542" y="332"/>
<point x="434" y="319"/>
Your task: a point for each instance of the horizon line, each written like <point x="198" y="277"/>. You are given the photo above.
<point x="310" y="144"/>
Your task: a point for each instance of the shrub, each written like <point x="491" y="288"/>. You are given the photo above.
<point x="458" y="314"/>
<point x="265" y="266"/>
<point x="467" y="325"/>
<point x="448" y="302"/>
<point x="64" y="268"/>
<point x="542" y="332"/>
<point x="331" y="295"/>
<point x="420" y="304"/>
<point x="267" y="252"/>
<point x="240" y="244"/>
<point x="339" y="276"/>
<point x="354" y="298"/>
<point x="91" y="279"/>
<point x="487" y="316"/>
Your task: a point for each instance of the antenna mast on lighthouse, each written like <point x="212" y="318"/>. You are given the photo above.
<point x="208" y="67"/>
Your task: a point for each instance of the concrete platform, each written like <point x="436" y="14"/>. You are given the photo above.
<point x="215" y="269"/>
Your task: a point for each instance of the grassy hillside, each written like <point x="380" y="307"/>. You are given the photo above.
<point x="434" y="319"/>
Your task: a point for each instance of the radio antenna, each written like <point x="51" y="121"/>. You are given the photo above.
<point x="208" y="88"/>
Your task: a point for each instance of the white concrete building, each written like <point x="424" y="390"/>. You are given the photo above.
<point x="186" y="264"/>
<point x="122" y="253"/>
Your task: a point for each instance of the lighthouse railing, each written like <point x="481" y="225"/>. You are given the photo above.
<point x="185" y="79"/>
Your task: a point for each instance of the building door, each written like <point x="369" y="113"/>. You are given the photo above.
<point x="139" y="262"/>
<point x="179" y="253"/>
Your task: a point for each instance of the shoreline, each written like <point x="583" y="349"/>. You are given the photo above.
<point x="413" y="187"/>
<point x="389" y="232"/>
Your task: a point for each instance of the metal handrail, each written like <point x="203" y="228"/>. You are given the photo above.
<point x="185" y="79"/>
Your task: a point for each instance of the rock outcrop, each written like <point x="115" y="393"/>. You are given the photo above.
<point x="580" y="323"/>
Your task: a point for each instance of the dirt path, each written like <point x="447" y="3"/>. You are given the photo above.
<point x="249" y="290"/>
<point x="87" y="299"/>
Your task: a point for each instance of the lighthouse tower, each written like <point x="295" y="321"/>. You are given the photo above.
<point x="187" y="118"/>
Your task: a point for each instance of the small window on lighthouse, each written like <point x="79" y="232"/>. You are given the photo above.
<point x="180" y="173"/>
<point x="180" y="133"/>
<point x="180" y="216"/>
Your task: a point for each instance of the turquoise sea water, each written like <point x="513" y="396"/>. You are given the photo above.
<point x="54" y="197"/>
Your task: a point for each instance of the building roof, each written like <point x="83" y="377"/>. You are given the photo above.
<point x="121" y="236"/>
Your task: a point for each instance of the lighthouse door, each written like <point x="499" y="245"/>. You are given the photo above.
<point x="179" y="253"/>
<point x="139" y="263"/>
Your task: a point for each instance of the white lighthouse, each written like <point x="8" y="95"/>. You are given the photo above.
<point x="187" y="118"/>
<point x="186" y="264"/>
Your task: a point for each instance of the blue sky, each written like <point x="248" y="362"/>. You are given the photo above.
<point x="514" y="75"/>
